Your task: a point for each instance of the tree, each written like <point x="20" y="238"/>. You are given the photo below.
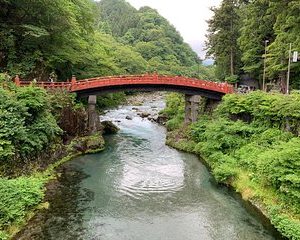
<point x="222" y="38"/>
<point x="36" y="43"/>
<point x="257" y="27"/>
<point x="287" y="30"/>
<point x="120" y="15"/>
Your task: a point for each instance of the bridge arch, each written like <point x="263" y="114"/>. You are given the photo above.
<point x="191" y="87"/>
<point x="149" y="82"/>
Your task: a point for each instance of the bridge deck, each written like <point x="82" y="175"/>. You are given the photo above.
<point x="101" y="82"/>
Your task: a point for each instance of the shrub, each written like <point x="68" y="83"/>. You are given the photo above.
<point x="26" y="122"/>
<point x="17" y="197"/>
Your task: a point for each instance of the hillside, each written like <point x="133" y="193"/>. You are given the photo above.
<point x="88" y="38"/>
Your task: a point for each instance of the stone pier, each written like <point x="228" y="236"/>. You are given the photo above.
<point x="93" y="118"/>
<point x="196" y="105"/>
<point x="191" y="108"/>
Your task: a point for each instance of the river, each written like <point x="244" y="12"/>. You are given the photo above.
<point x="141" y="189"/>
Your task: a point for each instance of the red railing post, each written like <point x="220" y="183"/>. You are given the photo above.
<point x="156" y="76"/>
<point x="17" y="80"/>
<point x="73" y="82"/>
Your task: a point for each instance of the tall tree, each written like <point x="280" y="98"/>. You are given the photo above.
<point x="222" y="38"/>
<point x="256" y="32"/>
<point x="287" y="31"/>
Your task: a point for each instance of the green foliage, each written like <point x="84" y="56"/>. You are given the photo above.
<point x="3" y="235"/>
<point x="232" y="79"/>
<point x="222" y="38"/>
<point x="54" y="40"/>
<point x="252" y="143"/>
<point x="224" y="172"/>
<point x="241" y="31"/>
<point x="89" y="39"/>
<point x="221" y="135"/>
<point x="26" y="123"/>
<point x="110" y="100"/>
<point x="174" y="110"/>
<point x="278" y="110"/>
<point x="257" y="22"/>
<point x="287" y="226"/>
<point x="174" y="104"/>
<point x="280" y="166"/>
<point x="119" y="15"/>
<point x="18" y="196"/>
<point x="154" y="38"/>
<point x="287" y="30"/>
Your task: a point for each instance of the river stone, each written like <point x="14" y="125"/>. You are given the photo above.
<point x="162" y="119"/>
<point x="109" y="127"/>
<point x="87" y="144"/>
<point x="144" y="114"/>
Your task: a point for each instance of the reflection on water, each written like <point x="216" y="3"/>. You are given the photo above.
<point x="140" y="189"/>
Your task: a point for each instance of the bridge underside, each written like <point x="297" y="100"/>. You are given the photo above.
<point x="151" y="87"/>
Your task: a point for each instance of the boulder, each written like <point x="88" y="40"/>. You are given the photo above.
<point x="144" y="114"/>
<point x="162" y="119"/>
<point x="109" y="127"/>
<point x="87" y="144"/>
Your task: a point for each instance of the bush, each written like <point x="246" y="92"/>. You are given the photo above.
<point x="272" y="110"/>
<point x="224" y="173"/>
<point x="18" y="196"/>
<point x="289" y="228"/>
<point x="27" y="124"/>
<point x="253" y="140"/>
<point x="175" y="105"/>
<point x="279" y="166"/>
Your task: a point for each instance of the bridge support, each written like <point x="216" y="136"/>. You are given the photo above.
<point x="192" y="103"/>
<point x="93" y="118"/>
<point x="196" y="105"/>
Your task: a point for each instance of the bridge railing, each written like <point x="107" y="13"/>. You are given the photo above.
<point x="47" y="85"/>
<point x="99" y="82"/>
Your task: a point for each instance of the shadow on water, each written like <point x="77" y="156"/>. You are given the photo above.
<point x="68" y="202"/>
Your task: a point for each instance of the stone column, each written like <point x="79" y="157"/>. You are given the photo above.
<point x="187" y="118"/>
<point x="192" y="108"/>
<point x="93" y="118"/>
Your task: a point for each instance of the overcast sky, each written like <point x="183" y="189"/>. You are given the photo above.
<point x="188" y="16"/>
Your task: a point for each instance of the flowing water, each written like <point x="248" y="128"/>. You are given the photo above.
<point x="141" y="189"/>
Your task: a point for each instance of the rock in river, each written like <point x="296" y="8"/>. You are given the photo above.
<point x="109" y="127"/>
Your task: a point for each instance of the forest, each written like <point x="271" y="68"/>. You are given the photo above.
<point x="87" y="39"/>
<point x="245" y="34"/>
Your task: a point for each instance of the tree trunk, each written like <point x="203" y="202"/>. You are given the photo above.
<point x="231" y="50"/>
<point x="231" y="62"/>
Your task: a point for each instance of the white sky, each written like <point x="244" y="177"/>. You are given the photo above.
<point x="188" y="16"/>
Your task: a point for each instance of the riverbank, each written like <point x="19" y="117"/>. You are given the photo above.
<point x="25" y="195"/>
<point x="252" y="148"/>
<point x="39" y="131"/>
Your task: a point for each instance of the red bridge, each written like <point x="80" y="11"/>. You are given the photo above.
<point x="100" y="85"/>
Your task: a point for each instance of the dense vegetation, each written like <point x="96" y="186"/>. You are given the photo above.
<point x="252" y="143"/>
<point x="239" y="31"/>
<point x="33" y="125"/>
<point x="27" y="125"/>
<point x="153" y="37"/>
<point x="88" y="38"/>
